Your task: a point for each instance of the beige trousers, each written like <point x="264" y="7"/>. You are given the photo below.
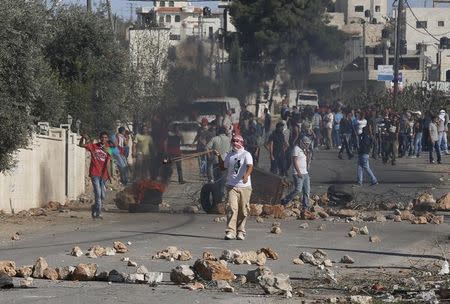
<point x="238" y="208"/>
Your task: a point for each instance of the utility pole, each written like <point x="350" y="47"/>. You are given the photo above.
<point x="364" y="56"/>
<point x="89" y="5"/>
<point x="397" y="49"/>
<point x="131" y="12"/>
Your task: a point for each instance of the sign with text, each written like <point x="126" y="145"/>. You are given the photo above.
<point x="385" y="72"/>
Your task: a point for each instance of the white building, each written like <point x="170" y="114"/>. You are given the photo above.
<point x="183" y="20"/>
<point x="434" y="21"/>
<point x="354" y="10"/>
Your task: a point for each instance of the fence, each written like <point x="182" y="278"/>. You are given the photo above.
<point x="52" y="168"/>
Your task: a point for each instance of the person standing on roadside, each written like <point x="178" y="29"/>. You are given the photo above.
<point x="434" y="140"/>
<point x="98" y="170"/>
<point x="173" y="149"/>
<point x="328" y="121"/>
<point x="365" y="146"/>
<point x="267" y="124"/>
<point x="142" y="153"/>
<point x="346" y="130"/>
<point x="239" y="164"/>
<point x="317" y="126"/>
<point x="442" y="131"/>
<point x="277" y="146"/>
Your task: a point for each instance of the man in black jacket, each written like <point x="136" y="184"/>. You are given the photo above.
<point x="365" y="146"/>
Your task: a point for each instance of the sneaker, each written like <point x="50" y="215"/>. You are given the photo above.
<point x="357" y="185"/>
<point x="100" y="217"/>
<point x="241" y="236"/>
<point x="182" y="182"/>
<point x="230" y="236"/>
<point x="374" y="184"/>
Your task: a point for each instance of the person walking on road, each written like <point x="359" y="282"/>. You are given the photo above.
<point x="277" y="146"/>
<point x="221" y="144"/>
<point x="142" y="154"/>
<point x="346" y="130"/>
<point x="239" y="164"/>
<point x="173" y="149"/>
<point x="301" y="176"/>
<point x="434" y="140"/>
<point x="365" y="146"/>
<point x="98" y="170"/>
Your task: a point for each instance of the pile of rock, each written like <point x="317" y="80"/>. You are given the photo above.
<point x="172" y="253"/>
<point x="99" y="251"/>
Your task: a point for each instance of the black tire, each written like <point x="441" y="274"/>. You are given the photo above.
<point x="341" y="194"/>
<point x="209" y="197"/>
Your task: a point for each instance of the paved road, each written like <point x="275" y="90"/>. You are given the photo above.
<point x="401" y="242"/>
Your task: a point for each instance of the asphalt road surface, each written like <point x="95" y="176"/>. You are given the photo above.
<point x="53" y="238"/>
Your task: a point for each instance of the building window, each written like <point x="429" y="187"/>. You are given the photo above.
<point x="177" y="18"/>
<point x="377" y="8"/>
<point x="441" y="23"/>
<point x="174" y="37"/>
<point x="171" y="4"/>
<point x="359" y="8"/>
<point x="421" y="24"/>
<point x="161" y="19"/>
<point x="162" y="3"/>
<point x="168" y="18"/>
<point x="420" y="46"/>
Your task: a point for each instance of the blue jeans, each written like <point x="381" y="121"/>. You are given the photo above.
<point x="302" y="186"/>
<point x="336" y="137"/>
<point x="99" y="185"/>
<point x="418" y="144"/>
<point x="443" y="141"/>
<point x="363" y="164"/>
<point x="435" y="145"/>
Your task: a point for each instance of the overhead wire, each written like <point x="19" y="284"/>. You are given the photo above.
<point x="417" y="19"/>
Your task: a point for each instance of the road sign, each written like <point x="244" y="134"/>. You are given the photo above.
<point x="385" y="73"/>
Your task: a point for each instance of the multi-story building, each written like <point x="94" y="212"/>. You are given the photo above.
<point x="354" y="10"/>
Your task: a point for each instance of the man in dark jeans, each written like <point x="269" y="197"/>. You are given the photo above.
<point x="173" y="144"/>
<point x="346" y="130"/>
<point x="365" y="146"/>
<point x="434" y="140"/>
<point x="267" y="124"/>
<point x="277" y="146"/>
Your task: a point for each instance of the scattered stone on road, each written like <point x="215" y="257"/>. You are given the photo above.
<point x="153" y="278"/>
<point x="269" y="252"/>
<point x="259" y="220"/>
<point x="364" y="230"/>
<point x="132" y="264"/>
<point x="172" y="253"/>
<point x="308" y="258"/>
<point x="208" y="256"/>
<point x="374" y="239"/>
<point x="65" y="272"/>
<point x="360" y="299"/>
<point x="256" y="209"/>
<point x="27" y="282"/>
<point x="116" y="277"/>
<point x="84" y="272"/>
<point x="347" y="260"/>
<point x="351" y="233"/>
<point x="213" y="270"/>
<point x="253" y="276"/>
<point x="221" y="219"/>
<point x="297" y="261"/>
<point x="191" y="209"/>
<point x="120" y="247"/>
<point x="8" y="267"/>
<point x="276" y="228"/>
<point x="39" y="267"/>
<point x="24" y="271"/>
<point x="251" y="257"/>
<point x="443" y="203"/>
<point x="137" y="278"/>
<point x="142" y="269"/>
<point x="50" y="274"/>
<point x="224" y="286"/>
<point x="276" y="284"/>
<point x="6" y="281"/>
<point x="230" y="255"/>
<point x="76" y="252"/>
<point x="110" y="251"/>
<point x="304" y="226"/>
<point x="194" y="286"/>
<point x="182" y="274"/>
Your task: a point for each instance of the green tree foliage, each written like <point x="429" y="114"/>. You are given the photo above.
<point x="275" y="31"/>
<point x="29" y="90"/>
<point x="91" y="66"/>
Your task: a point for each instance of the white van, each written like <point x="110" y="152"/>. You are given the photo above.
<point x="210" y="107"/>
<point x="303" y="98"/>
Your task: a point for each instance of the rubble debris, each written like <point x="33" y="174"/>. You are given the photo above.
<point x="91" y="254"/>
<point x="191" y="209"/>
<point x="39" y="267"/>
<point x="360" y="299"/>
<point x="347" y="260"/>
<point x="421" y="220"/>
<point x="76" y="252"/>
<point x="276" y="284"/>
<point x="351" y="233"/>
<point x="443" y="203"/>
<point x="327" y="263"/>
<point x="84" y="272"/>
<point x="437" y="219"/>
<point x="132" y="264"/>
<point x="153" y="278"/>
<point x="364" y="230"/>
<point x="222" y="219"/>
<point x="6" y="281"/>
<point x="330" y="276"/>
<point x="230" y="255"/>
<point x="321" y="227"/>
<point x="253" y="276"/>
<point x="50" y="274"/>
<point x="276" y="228"/>
<point x="251" y="257"/>
<point x="120" y="247"/>
<point x="172" y="253"/>
<point x="444" y="269"/>
<point x="110" y="251"/>
<point x="8" y="267"/>
<point x="345" y="213"/>
<point x="320" y="255"/>
<point x="96" y="251"/>
<point x="221" y="208"/>
<point x="208" y="256"/>
<point x="256" y="209"/>
<point x="194" y="286"/>
<point x="116" y="277"/>
<point x="308" y="258"/>
<point x="224" y="286"/>
<point x="137" y="278"/>
<point x="182" y="274"/>
<point x="53" y="206"/>
<point x="278" y="211"/>
<point x="269" y="252"/>
<point x="213" y="270"/>
<point x="304" y="226"/>
<point x="25" y="283"/>
<point x="65" y="272"/>
<point x="259" y="220"/>
<point x="424" y="202"/>
<point x="374" y="239"/>
<point x="23" y="271"/>
<point x="397" y="218"/>
<point x="307" y="215"/>
<point x="297" y="261"/>
<point x="125" y="259"/>
<point x="406" y="215"/>
<point x="241" y="279"/>
<point x="15" y="237"/>
<point x="102" y="275"/>
<point x="142" y="270"/>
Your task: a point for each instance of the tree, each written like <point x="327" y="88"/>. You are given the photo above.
<point x="91" y="66"/>
<point x="276" y="33"/>
<point x="29" y="90"/>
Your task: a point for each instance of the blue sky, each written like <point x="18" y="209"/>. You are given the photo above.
<point x="122" y="7"/>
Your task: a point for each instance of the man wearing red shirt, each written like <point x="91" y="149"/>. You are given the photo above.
<point x="98" y="170"/>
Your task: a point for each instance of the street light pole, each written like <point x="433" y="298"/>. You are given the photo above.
<point x="364" y="56"/>
<point x="397" y="49"/>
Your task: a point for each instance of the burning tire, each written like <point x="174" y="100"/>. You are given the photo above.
<point x="209" y="197"/>
<point x="341" y="194"/>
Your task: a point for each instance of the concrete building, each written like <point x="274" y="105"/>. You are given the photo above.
<point x="354" y="10"/>
<point x="434" y="20"/>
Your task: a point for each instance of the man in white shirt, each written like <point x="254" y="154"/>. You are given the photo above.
<point x="301" y="176"/>
<point x="239" y="164"/>
<point x="328" y="121"/>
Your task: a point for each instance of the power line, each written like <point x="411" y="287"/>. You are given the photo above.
<point x="417" y="19"/>
<point x="417" y="30"/>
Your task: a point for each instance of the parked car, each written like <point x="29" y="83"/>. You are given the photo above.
<point x="209" y="108"/>
<point x="188" y="130"/>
